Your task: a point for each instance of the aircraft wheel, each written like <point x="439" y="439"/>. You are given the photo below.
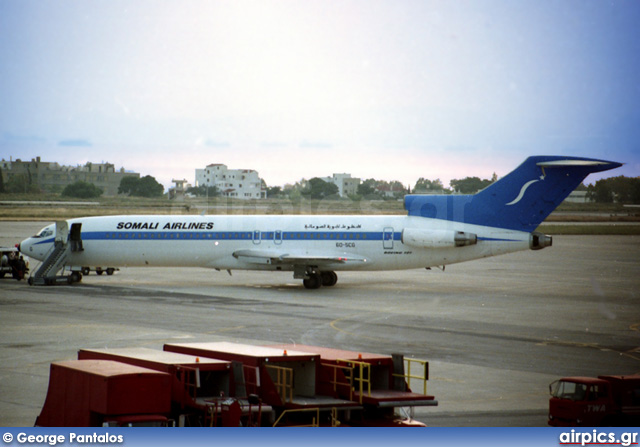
<point x="313" y="282"/>
<point x="75" y="277"/>
<point x="329" y="279"/>
<point x="110" y="271"/>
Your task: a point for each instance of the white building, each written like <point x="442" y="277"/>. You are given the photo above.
<point x="237" y="183"/>
<point x="346" y="184"/>
<point x="577" y="197"/>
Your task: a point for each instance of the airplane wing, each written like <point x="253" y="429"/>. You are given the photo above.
<point x="276" y="257"/>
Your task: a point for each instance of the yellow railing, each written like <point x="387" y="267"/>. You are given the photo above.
<point x="348" y="385"/>
<point x="353" y="382"/>
<point x="283" y="381"/>
<point x="315" y="422"/>
<point x="423" y="378"/>
<point x="334" y="417"/>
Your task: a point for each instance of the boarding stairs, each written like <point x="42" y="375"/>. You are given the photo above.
<point x="65" y="243"/>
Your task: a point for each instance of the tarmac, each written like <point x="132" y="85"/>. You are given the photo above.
<point x="496" y="332"/>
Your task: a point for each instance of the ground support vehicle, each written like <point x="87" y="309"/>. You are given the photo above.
<point x="94" y="393"/>
<point x="231" y="384"/>
<point x="377" y="382"/>
<point x="12" y="263"/>
<point x="200" y="387"/>
<point x="594" y="402"/>
<point x="285" y="379"/>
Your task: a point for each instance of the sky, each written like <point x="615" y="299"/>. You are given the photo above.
<point x="392" y="90"/>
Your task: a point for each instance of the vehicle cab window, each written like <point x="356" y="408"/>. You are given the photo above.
<point x="569" y="390"/>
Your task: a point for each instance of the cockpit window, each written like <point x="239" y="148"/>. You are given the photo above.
<point x="45" y="232"/>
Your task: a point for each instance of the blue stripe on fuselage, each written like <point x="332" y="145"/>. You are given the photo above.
<point x="237" y="235"/>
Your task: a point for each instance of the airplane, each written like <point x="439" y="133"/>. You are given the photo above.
<point x="438" y="230"/>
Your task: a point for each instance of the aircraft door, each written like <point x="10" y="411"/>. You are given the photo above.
<point x="387" y="238"/>
<point x="62" y="232"/>
<point x="277" y="237"/>
<point x="75" y="237"/>
<point x="257" y="237"/>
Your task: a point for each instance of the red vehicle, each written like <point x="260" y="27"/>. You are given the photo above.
<point x="200" y="388"/>
<point x="343" y="387"/>
<point x="594" y="402"/>
<point x="95" y="393"/>
<point x="286" y="380"/>
<point x="377" y="382"/>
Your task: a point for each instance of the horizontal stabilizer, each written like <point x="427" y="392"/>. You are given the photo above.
<point x="575" y="162"/>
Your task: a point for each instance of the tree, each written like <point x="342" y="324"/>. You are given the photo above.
<point x="82" y="190"/>
<point x="469" y="185"/>
<point x="367" y="188"/>
<point x="424" y="184"/>
<point x="149" y="187"/>
<point x="274" y="191"/>
<point x="619" y="189"/>
<point x="319" y="189"/>
<point x="128" y="185"/>
<point x="21" y="184"/>
<point x="146" y="186"/>
<point x="294" y="191"/>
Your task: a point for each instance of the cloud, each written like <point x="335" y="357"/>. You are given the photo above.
<point x="216" y="143"/>
<point x="306" y="144"/>
<point x="79" y="142"/>
<point x="273" y="144"/>
<point x="22" y="139"/>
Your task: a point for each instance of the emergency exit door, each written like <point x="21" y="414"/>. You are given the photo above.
<point x="387" y="238"/>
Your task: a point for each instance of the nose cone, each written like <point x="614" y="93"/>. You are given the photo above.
<point x="26" y="247"/>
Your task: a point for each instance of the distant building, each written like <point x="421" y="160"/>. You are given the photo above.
<point x="237" y="183"/>
<point x="346" y="184"/>
<point x="577" y="197"/>
<point x="178" y="191"/>
<point x="391" y="190"/>
<point x="52" y="177"/>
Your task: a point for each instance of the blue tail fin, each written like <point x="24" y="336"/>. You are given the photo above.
<point x="519" y="201"/>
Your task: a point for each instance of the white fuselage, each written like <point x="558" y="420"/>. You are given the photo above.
<point x="211" y="241"/>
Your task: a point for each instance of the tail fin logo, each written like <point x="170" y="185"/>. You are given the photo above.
<point x="524" y="189"/>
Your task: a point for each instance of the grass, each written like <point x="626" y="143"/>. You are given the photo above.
<point x="20" y="207"/>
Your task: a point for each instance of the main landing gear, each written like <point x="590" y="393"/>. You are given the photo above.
<point x="315" y="279"/>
